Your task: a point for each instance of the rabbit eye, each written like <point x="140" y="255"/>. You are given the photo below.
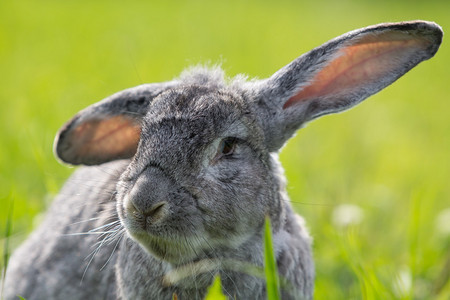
<point x="227" y="146"/>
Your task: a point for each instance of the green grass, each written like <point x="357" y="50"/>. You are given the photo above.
<point x="215" y="291"/>
<point x="270" y="265"/>
<point x="388" y="157"/>
<point x="6" y="249"/>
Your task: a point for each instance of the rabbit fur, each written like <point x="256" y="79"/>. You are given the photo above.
<point x="181" y="175"/>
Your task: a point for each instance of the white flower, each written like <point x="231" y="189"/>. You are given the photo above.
<point x="443" y="222"/>
<point x="403" y="283"/>
<point x="347" y="214"/>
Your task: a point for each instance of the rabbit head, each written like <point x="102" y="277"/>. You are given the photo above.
<point x="203" y="172"/>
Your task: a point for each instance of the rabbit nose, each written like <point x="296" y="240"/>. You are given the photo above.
<point x="154" y="214"/>
<point x="149" y="195"/>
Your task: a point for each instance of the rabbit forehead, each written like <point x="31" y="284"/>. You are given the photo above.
<point x="193" y="100"/>
<point x="196" y="110"/>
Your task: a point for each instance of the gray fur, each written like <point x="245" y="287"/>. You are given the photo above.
<point x="187" y="197"/>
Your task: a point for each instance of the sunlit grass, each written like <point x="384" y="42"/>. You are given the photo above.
<point x="6" y="248"/>
<point x="389" y="157"/>
<point x="270" y="266"/>
<point x="215" y="291"/>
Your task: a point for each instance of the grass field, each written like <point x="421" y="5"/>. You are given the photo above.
<point x="372" y="183"/>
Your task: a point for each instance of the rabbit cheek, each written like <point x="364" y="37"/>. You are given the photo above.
<point x="232" y="214"/>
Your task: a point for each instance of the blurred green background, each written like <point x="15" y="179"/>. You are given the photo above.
<point x="372" y="183"/>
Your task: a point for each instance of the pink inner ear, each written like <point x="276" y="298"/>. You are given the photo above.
<point x="106" y="139"/>
<point x="357" y="65"/>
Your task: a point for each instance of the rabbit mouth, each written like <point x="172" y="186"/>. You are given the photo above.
<point x="173" y="244"/>
<point x="173" y="250"/>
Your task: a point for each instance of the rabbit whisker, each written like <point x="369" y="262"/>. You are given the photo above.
<point x="107" y="225"/>
<point x="84" y="221"/>
<point x="114" y="249"/>
<point x="106" y="239"/>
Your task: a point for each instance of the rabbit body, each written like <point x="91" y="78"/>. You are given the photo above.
<point x="51" y="262"/>
<point x="220" y="208"/>
<point x="63" y="269"/>
<point x="184" y="174"/>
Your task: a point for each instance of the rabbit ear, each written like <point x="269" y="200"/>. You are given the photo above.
<point x="107" y="130"/>
<point x="342" y="73"/>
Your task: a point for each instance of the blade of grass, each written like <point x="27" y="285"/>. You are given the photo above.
<point x="8" y="232"/>
<point x="215" y="291"/>
<point x="270" y="266"/>
<point x="414" y="238"/>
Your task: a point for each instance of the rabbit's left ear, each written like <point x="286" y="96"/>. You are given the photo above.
<point x="340" y="74"/>
<point x="109" y="129"/>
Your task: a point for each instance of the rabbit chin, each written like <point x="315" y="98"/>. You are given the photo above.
<point x="176" y="250"/>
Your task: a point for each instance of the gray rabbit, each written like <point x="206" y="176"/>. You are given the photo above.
<point x="182" y="174"/>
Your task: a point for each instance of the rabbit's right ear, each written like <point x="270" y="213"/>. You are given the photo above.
<point x="107" y="130"/>
<point x="340" y="74"/>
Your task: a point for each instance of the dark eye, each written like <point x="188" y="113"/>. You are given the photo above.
<point x="227" y="146"/>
